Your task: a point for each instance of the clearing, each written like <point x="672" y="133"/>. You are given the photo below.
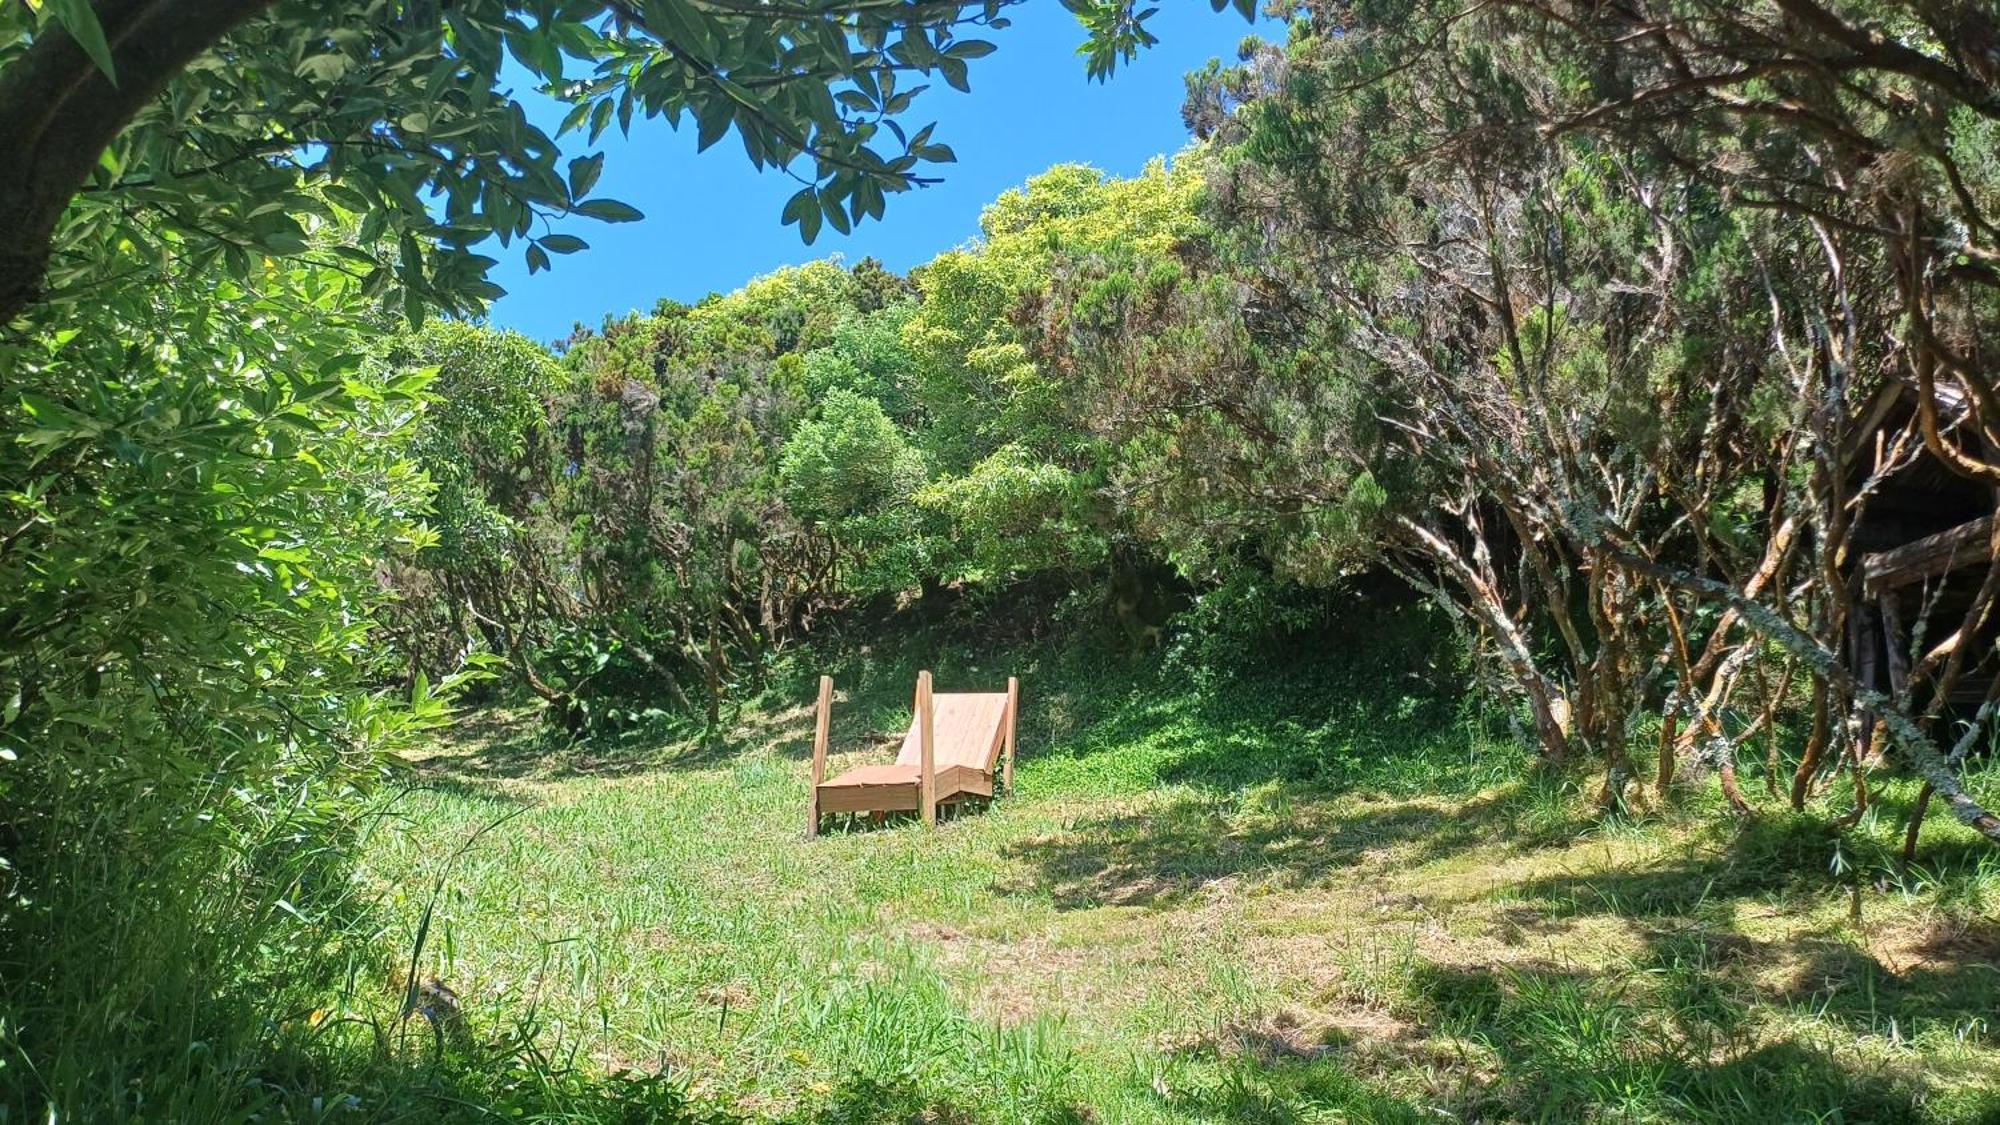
<point x="1304" y="894"/>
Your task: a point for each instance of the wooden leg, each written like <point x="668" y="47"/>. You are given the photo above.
<point x="926" y="742"/>
<point x="1013" y="713"/>
<point x="821" y="723"/>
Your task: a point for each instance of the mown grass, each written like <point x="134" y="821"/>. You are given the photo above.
<point x="1321" y="890"/>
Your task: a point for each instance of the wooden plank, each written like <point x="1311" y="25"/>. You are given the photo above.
<point x="821" y="726"/>
<point x="926" y="750"/>
<point x="1928" y="557"/>
<point x="1013" y="713"/>
<point x="966" y="729"/>
<point x="959" y="781"/>
<point x="869" y="798"/>
<point x="1897" y="644"/>
<point x="873" y="775"/>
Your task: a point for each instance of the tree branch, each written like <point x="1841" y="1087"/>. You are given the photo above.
<point x="58" y="113"/>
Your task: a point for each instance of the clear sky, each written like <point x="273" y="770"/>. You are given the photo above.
<point x="712" y="222"/>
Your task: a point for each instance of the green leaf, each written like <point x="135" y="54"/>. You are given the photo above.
<point x="340" y="364"/>
<point x="712" y="119"/>
<point x="835" y="214"/>
<point x="563" y="243"/>
<point x="610" y="211"/>
<point x="809" y="223"/>
<point x="80" y="21"/>
<point x="799" y="206"/>
<point x="325" y="68"/>
<point x="583" y="173"/>
<point x="50" y="413"/>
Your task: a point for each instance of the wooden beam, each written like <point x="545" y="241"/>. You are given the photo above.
<point x="821" y="726"/>
<point x="926" y="749"/>
<point x="1013" y="712"/>
<point x="1898" y="645"/>
<point x="1928" y="557"/>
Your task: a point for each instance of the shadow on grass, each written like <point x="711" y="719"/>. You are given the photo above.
<point x="1670" y="1043"/>
<point x="1707" y="1022"/>
<point x="1286" y="835"/>
<point x="1947" y="981"/>
<point x="1288" y="1090"/>
<point x="486" y="750"/>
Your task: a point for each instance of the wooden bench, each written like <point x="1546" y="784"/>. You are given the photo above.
<point x="954" y="745"/>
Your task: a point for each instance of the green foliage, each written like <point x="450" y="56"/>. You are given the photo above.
<point x="636" y="527"/>
<point x="361" y="113"/>
<point x="851" y="474"/>
<point x="1015" y="430"/>
<point x="866" y="357"/>
<point x="1015" y="513"/>
<point x="198" y="494"/>
<point x="483" y="439"/>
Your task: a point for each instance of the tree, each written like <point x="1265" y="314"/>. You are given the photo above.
<point x="852" y="475"/>
<point x="225" y="123"/>
<point x="1584" y="317"/>
<point x="199" y="490"/>
<point x="494" y="577"/>
<point x="1015" y="435"/>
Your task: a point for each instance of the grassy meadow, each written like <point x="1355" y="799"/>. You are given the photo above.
<point x="1315" y="891"/>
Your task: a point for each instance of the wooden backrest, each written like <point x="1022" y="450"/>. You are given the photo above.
<point x="967" y="729"/>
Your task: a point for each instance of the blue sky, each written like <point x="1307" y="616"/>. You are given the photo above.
<point x="712" y="221"/>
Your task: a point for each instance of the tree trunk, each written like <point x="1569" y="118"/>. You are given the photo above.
<point x="58" y="112"/>
<point x="1802" y="779"/>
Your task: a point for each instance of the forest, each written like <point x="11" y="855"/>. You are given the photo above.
<point x="1498" y="536"/>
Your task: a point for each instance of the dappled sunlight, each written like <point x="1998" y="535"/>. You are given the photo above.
<point x="1187" y="950"/>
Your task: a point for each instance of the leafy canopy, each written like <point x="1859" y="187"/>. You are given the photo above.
<point x="232" y="131"/>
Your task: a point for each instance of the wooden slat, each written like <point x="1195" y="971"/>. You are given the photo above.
<point x="862" y="776"/>
<point x="1013" y="715"/>
<point x="962" y="781"/>
<point x="926" y="750"/>
<point x="967" y="730"/>
<point x="949" y="781"/>
<point x="821" y="725"/>
<point x="869" y="798"/>
<point x="1928" y="557"/>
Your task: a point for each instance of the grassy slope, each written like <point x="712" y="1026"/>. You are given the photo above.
<point x="1310" y="894"/>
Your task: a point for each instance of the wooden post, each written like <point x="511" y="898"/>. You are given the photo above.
<point x="927" y="778"/>
<point x="820" y="728"/>
<point x="1013" y="713"/>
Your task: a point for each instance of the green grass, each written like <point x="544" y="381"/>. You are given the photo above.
<point x="1317" y="892"/>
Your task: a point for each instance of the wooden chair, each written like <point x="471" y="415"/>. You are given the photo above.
<point x="954" y="745"/>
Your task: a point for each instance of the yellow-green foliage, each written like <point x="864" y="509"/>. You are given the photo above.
<point x="998" y="418"/>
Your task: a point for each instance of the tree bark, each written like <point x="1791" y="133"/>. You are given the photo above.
<point x="58" y="113"/>
<point x="1924" y="757"/>
<point x="1484" y="603"/>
